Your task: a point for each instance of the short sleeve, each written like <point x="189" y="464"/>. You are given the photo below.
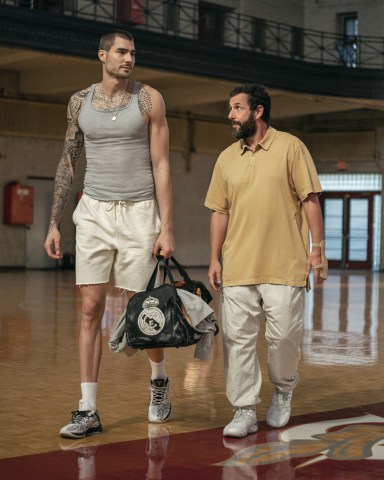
<point x="304" y="174"/>
<point x="217" y="195"/>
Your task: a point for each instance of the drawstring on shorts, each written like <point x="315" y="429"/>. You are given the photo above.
<point x="117" y="205"/>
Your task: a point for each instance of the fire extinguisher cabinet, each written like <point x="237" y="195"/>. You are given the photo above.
<point x="18" y="204"/>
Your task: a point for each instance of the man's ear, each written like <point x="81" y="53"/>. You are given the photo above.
<point x="101" y="55"/>
<point x="259" y="111"/>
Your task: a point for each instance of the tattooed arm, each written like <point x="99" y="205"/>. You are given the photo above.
<point x="73" y="144"/>
<point x="152" y="106"/>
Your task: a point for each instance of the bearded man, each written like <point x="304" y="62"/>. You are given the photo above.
<point x="264" y="200"/>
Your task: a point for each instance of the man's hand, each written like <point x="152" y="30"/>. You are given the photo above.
<point x="318" y="261"/>
<point x="313" y="260"/>
<point x="164" y="245"/>
<point x="214" y="275"/>
<point x="52" y="244"/>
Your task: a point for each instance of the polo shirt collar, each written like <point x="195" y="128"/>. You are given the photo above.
<point x="265" y="143"/>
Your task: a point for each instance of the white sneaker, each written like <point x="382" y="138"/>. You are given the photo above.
<point x="84" y="422"/>
<point x="280" y="410"/>
<point x="244" y="422"/>
<point x="160" y="407"/>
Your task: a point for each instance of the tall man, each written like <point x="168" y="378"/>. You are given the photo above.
<point x="264" y="200"/>
<point x="125" y="214"/>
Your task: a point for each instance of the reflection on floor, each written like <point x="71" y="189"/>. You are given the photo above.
<point x="346" y="444"/>
<point x="342" y="321"/>
<point x="331" y="434"/>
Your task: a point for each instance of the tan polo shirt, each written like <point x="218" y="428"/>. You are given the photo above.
<point x="267" y="239"/>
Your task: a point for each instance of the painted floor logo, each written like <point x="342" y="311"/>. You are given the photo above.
<point x="348" y="439"/>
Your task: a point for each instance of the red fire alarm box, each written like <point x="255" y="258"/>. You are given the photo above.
<point x="18" y="205"/>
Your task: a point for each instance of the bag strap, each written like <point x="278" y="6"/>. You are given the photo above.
<point x="167" y="273"/>
<point x="182" y="272"/>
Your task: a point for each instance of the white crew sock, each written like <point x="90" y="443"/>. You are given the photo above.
<point x="158" y="370"/>
<point x="88" y="394"/>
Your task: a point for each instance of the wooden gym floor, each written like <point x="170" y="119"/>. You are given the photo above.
<point x="337" y="425"/>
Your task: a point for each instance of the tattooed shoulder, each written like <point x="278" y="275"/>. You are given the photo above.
<point x="77" y="100"/>
<point x="145" y="100"/>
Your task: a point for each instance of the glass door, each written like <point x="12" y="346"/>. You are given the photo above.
<point x="348" y="229"/>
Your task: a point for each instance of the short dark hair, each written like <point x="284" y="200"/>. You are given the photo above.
<point x="108" y="39"/>
<point x="257" y="95"/>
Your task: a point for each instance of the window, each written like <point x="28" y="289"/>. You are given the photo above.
<point x="259" y="31"/>
<point x="46" y="5"/>
<point x="297" y="42"/>
<point x="131" y="11"/>
<point x="347" y="47"/>
<point x="211" y="23"/>
<point x="171" y="14"/>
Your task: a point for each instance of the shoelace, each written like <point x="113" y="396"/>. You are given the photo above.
<point x="282" y="398"/>
<point x="80" y="416"/>
<point x="159" y="395"/>
<point x="240" y="412"/>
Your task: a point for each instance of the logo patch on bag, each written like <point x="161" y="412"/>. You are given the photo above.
<point x="151" y="320"/>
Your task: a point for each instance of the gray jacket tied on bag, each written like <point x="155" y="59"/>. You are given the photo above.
<point x="202" y="318"/>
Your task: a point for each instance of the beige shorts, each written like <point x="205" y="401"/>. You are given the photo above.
<point x="114" y="242"/>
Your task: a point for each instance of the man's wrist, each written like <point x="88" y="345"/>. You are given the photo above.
<point x="167" y="230"/>
<point x="319" y="244"/>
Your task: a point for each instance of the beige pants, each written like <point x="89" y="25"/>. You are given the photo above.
<point x="243" y="307"/>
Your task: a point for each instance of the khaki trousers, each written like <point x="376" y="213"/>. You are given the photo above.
<point x="282" y="307"/>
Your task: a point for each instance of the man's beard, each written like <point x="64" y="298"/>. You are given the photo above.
<point x="246" y="129"/>
<point x="118" y="74"/>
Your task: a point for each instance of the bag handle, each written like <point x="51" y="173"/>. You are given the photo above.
<point x="167" y="273"/>
<point x="182" y="272"/>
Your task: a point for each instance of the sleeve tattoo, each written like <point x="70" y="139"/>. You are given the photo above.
<point x="73" y="144"/>
<point x="145" y="101"/>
